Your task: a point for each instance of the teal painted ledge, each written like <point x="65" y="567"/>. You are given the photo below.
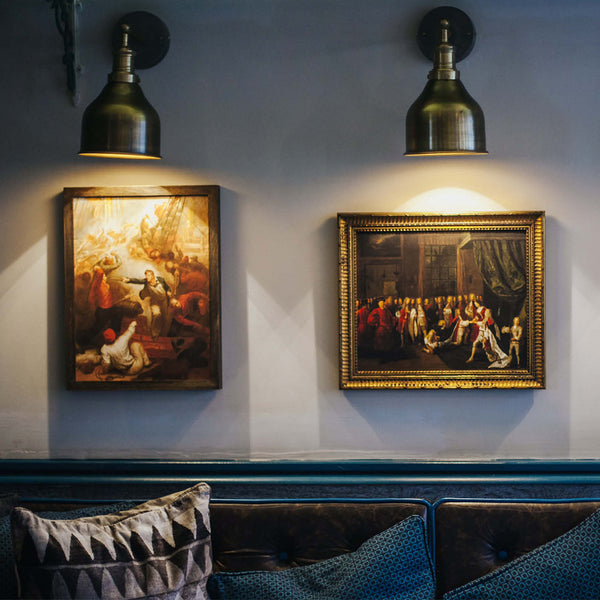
<point x="376" y="472"/>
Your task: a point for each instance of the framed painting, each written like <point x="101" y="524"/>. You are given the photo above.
<point x="142" y="296"/>
<point x="441" y="301"/>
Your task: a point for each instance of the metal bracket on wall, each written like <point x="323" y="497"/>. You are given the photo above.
<point x="461" y="34"/>
<point x="65" y="15"/>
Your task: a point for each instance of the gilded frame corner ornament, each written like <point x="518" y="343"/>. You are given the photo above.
<point x="447" y="301"/>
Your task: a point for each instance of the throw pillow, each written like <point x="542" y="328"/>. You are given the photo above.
<point x="8" y="579"/>
<point x="565" y="568"/>
<point x="394" y="564"/>
<point x="159" y="549"/>
<point x="7" y="501"/>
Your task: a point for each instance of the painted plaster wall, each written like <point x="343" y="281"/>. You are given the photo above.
<point x="296" y="108"/>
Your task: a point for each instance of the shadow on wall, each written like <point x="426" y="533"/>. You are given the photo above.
<point x="326" y="318"/>
<point x="147" y="424"/>
<point x="443" y="423"/>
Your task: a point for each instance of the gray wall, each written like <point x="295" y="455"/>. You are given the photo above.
<point x="296" y="108"/>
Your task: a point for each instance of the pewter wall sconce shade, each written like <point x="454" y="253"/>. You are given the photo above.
<point x="445" y="120"/>
<point x="120" y="122"/>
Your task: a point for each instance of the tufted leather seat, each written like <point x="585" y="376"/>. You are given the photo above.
<point x="473" y="538"/>
<point x="272" y="536"/>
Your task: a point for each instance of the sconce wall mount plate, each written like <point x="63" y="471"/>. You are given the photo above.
<point x="461" y="33"/>
<point x="149" y="38"/>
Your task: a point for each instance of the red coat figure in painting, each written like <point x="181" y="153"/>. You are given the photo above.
<point x="100" y="295"/>
<point x="194" y="279"/>
<point x="478" y="318"/>
<point x="101" y="303"/>
<point x="189" y="311"/>
<point x="107" y="314"/>
<point x="384" y="323"/>
<point x="362" y="325"/>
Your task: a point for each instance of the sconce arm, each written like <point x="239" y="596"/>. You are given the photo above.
<point x="65" y="15"/>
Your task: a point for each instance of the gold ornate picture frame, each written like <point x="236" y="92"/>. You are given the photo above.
<point x="441" y="301"/>
<point x="142" y="287"/>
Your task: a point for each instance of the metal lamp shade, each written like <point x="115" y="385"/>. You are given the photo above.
<point x="121" y="123"/>
<point x="445" y="120"/>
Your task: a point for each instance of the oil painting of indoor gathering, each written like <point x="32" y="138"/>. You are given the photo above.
<point x="441" y="301"/>
<point x="140" y="289"/>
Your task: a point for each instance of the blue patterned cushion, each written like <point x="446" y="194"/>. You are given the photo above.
<point x="8" y="579"/>
<point x="393" y="565"/>
<point x="567" y="568"/>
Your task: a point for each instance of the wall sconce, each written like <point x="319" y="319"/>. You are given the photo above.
<point x="120" y="122"/>
<point x="445" y="120"/>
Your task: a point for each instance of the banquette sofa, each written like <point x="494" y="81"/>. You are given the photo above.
<point x="315" y="549"/>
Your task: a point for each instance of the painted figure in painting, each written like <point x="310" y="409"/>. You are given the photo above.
<point x="121" y="354"/>
<point x="483" y="323"/>
<point x="383" y="323"/>
<point x="362" y="324"/>
<point x="421" y="320"/>
<point x="189" y="311"/>
<point x="461" y="327"/>
<point x="431" y="342"/>
<point x="413" y="327"/>
<point x="516" y="334"/>
<point x="107" y="312"/>
<point x="158" y="292"/>
<point x="155" y="327"/>
<point x="402" y="320"/>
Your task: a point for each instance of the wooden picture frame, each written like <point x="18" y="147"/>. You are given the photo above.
<point x="142" y="287"/>
<point x="395" y="272"/>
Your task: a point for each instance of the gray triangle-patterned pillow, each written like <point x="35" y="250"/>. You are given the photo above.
<point x="159" y="549"/>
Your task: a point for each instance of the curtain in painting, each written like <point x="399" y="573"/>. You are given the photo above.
<point x="502" y="264"/>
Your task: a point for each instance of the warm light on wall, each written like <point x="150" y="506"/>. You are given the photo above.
<point x="450" y="200"/>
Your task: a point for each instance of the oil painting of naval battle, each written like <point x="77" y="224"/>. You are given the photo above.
<point x="142" y="281"/>
<point x="441" y="301"/>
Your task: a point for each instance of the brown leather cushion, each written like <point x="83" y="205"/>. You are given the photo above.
<point x="273" y="536"/>
<point x="474" y="538"/>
